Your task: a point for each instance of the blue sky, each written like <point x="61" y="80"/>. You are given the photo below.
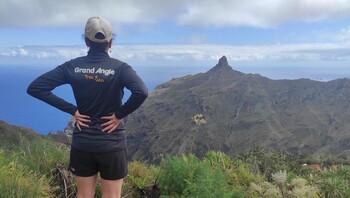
<point x="255" y="35"/>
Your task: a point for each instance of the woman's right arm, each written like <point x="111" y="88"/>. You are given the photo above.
<point x="41" y="88"/>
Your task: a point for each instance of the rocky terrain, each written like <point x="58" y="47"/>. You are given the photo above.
<point x="242" y="111"/>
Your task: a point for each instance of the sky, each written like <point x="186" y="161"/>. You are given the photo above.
<point x="277" y="38"/>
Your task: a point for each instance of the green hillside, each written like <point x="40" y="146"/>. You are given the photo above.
<point x="33" y="166"/>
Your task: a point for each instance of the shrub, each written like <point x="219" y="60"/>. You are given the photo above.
<point x="263" y="190"/>
<point x="42" y="155"/>
<point x="141" y="180"/>
<point x="219" y="160"/>
<point x="299" y="187"/>
<point x="176" y="172"/>
<point x="334" y="183"/>
<point x="206" y="182"/>
<point x="241" y="175"/>
<point x="267" y="163"/>
<point x="17" y="181"/>
<point x="187" y="176"/>
<point x="281" y="187"/>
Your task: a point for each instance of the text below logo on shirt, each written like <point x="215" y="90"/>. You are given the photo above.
<point x="106" y="72"/>
<point x="96" y="78"/>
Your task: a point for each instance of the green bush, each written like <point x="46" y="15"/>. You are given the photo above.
<point x="219" y="160"/>
<point x="42" y="155"/>
<point x="141" y="180"/>
<point x="18" y="181"/>
<point x="268" y="162"/>
<point x="176" y="172"/>
<point x="263" y="189"/>
<point x="206" y="182"/>
<point x="241" y="175"/>
<point x="282" y="187"/>
<point x="187" y="176"/>
<point x="334" y="183"/>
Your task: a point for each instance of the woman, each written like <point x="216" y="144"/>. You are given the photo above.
<point x="97" y="80"/>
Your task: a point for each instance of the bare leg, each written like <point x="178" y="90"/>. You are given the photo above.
<point x="111" y="188"/>
<point x="86" y="186"/>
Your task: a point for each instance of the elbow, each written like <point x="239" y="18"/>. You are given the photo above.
<point x="139" y="95"/>
<point x="143" y="95"/>
<point x="30" y="91"/>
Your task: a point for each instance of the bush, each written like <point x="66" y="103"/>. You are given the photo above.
<point x="241" y="175"/>
<point x="281" y="187"/>
<point x="187" y="176"/>
<point x="267" y="163"/>
<point x="42" y="155"/>
<point x="334" y="183"/>
<point x="141" y="180"/>
<point x="176" y="172"/>
<point x="206" y="182"/>
<point x="18" y="181"/>
<point x="219" y="160"/>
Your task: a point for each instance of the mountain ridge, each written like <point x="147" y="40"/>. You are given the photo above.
<point x="301" y="116"/>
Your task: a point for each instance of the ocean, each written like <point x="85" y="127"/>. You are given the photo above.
<point x="18" y="108"/>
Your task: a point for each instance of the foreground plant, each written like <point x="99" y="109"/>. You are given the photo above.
<point x="18" y="181"/>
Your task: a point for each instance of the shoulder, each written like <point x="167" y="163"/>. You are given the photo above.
<point x="76" y="60"/>
<point x="117" y="62"/>
<point x="71" y="62"/>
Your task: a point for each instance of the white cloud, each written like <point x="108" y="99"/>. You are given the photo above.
<point x="265" y="13"/>
<point x="23" y="52"/>
<point x="344" y="34"/>
<point x="258" y="13"/>
<point x="165" y="54"/>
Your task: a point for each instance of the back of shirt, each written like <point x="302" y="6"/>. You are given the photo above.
<point x="97" y="82"/>
<point x="97" y="85"/>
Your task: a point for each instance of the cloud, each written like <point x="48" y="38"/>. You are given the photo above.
<point x="202" y="52"/>
<point x="38" y="52"/>
<point x="75" y="13"/>
<point x="262" y="13"/>
<point x="344" y="34"/>
<point x="266" y="13"/>
<point x="151" y="55"/>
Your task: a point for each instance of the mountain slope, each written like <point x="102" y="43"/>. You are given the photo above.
<point x="11" y="136"/>
<point x="242" y="110"/>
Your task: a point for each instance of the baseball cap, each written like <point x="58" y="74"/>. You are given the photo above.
<point x="98" y="30"/>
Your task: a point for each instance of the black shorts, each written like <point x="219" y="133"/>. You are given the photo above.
<point x="111" y="165"/>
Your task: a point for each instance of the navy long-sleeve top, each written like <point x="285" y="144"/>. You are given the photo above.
<point x="97" y="81"/>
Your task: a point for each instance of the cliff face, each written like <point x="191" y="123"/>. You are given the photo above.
<point x="241" y="111"/>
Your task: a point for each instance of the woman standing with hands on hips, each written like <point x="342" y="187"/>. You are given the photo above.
<point x="97" y="80"/>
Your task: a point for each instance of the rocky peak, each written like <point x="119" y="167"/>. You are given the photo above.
<point x="222" y="66"/>
<point x="223" y="61"/>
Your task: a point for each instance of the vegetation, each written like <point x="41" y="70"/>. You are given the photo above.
<point x="17" y="180"/>
<point x="36" y="167"/>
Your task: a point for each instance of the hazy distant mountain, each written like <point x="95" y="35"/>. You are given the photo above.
<point x="242" y="110"/>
